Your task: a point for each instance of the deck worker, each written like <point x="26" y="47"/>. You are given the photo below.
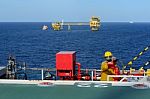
<point x="107" y="66"/>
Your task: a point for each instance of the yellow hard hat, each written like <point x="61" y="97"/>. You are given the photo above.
<point x="107" y="54"/>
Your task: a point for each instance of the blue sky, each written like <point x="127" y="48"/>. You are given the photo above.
<point x="74" y="10"/>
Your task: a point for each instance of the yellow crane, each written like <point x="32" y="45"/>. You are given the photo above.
<point x="56" y="26"/>
<point x="95" y="23"/>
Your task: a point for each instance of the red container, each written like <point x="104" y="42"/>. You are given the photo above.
<point x="65" y="63"/>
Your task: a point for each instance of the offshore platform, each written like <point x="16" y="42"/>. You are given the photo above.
<point x="94" y="24"/>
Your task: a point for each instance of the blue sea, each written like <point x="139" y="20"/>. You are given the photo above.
<point x="28" y="43"/>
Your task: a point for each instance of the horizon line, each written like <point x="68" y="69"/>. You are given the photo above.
<point x="78" y="21"/>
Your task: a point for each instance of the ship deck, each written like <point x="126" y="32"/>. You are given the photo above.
<point x="62" y="82"/>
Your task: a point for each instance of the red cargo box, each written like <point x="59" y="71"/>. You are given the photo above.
<point x="65" y="62"/>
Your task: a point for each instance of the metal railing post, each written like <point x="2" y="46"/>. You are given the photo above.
<point x="42" y="74"/>
<point x="108" y="77"/>
<point x="92" y="75"/>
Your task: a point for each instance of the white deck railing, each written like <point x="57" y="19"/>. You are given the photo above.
<point x="126" y="77"/>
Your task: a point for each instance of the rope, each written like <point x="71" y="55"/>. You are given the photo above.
<point x="146" y="64"/>
<point x="136" y="57"/>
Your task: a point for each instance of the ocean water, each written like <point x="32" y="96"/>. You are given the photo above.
<point x="70" y="92"/>
<point x="28" y="43"/>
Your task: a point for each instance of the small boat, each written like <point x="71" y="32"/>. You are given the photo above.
<point x="45" y="27"/>
<point x="131" y="22"/>
<point x="45" y="84"/>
